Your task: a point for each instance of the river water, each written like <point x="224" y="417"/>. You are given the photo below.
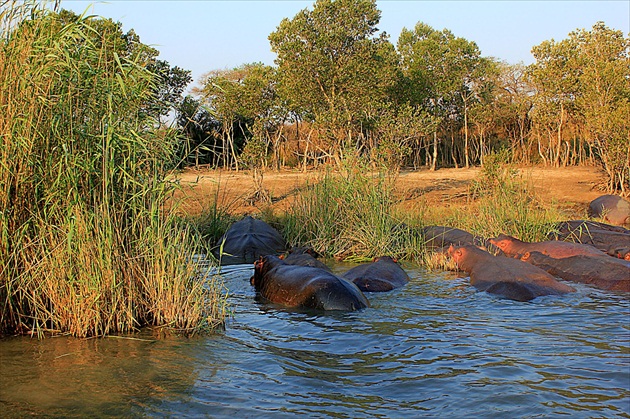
<point x="433" y="348"/>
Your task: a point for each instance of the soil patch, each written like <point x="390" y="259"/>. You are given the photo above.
<point x="570" y="188"/>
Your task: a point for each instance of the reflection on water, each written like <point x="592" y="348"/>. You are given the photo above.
<point x="432" y="348"/>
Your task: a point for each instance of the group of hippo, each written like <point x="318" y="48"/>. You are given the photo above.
<point x="579" y="251"/>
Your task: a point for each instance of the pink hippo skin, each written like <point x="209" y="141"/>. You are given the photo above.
<point x="602" y="272"/>
<point x="613" y="240"/>
<point x="514" y="247"/>
<point x="510" y="278"/>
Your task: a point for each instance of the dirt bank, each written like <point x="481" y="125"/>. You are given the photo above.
<point x="569" y="188"/>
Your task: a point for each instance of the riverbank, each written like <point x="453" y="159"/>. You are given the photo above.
<point x="570" y="189"/>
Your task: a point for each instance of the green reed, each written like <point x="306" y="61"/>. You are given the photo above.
<point x="350" y="214"/>
<point x="505" y="201"/>
<point x="87" y="247"/>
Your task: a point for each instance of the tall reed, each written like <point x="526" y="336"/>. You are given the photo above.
<point x="349" y="214"/>
<point x="87" y="247"/>
<point x="505" y="201"/>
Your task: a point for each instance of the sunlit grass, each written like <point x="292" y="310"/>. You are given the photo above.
<point x="87" y="246"/>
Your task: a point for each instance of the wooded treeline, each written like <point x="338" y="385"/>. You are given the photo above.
<point x="340" y="86"/>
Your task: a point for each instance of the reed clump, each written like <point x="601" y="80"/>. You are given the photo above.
<point x="505" y="202"/>
<point x="87" y="247"/>
<point x="350" y="214"/>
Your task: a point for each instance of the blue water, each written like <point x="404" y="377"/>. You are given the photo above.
<point x="433" y="348"/>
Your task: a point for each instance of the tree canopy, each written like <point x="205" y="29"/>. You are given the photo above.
<point x="340" y="86"/>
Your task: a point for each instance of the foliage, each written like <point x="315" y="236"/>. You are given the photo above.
<point x="332" y="66"/>
<point x="200" y="130"/>
<point x="584" y="78"/>
<point x="349" y="215"/>
<point x="87" y="247"/>
<point x="433" y="100"/>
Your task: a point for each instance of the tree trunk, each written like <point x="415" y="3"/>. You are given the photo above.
<point x="466" y="156"/>
<point x="435" y="151"/>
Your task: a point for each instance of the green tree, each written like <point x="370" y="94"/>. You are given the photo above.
<point x="585" y="78"/>
<point x="169" y="83"/>
<point x="555" y="77"/>
<point x="333" y="65"/>
<point x="604" y="99"/>
<point x="201" y="131"/>
<point x="248" y="95"/>
<point x="442" y="71"/>
<point x="168" y="89"/>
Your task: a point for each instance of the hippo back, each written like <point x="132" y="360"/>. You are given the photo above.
<point x="304" y="286"/>
<point x="384" y="274"/>
<point x="611" y="208"/>
<point x="247" y="240"/>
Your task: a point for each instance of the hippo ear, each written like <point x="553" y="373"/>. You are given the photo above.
<point x="259" y="263"/>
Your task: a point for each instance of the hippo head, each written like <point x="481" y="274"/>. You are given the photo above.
<point x="263" y="265"/>
<point x="456" y="253"/>
<point x="466" y="255"/>
<point x="503" y="242"/>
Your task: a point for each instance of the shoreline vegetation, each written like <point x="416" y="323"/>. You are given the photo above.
<point x="93" y="240"/>
<point x="87" y="248"/>
<point x="355" y="214"/>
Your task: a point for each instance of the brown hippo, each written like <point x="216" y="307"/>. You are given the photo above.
<point x="304" y="286"/>
<point x="611" y="208"/>
<point x="248" y="239"/>
<point x="383" y="274"/>
<point x="304" y="256"/>
<point x="439" y="238"/>
<point x="602" y="272"/>
<point x="510" y="278"/>
<point x="613" y="240"/>
<point x="514" y="247"/>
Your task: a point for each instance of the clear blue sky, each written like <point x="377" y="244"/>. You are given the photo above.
<point x="207" y="35"/>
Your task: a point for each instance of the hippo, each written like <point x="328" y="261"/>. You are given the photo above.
<point x="303" y="256"/>
<point x="602" y="272"/>
<point x="383" y="274"/>
<point x="248" y="239"/>
<point x="507" y="277"/>
<point x="514" y="247"/>
<point x="437" y="237"/>
<point x="304" y="286"/>
<point x="613" y="240"/>
<point x="611" y="208"/>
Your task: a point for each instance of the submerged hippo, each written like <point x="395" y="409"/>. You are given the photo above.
<point x="383" y="274"/>
<point x="304" y="286"/>
<point x="303" y="256"/>
<point x="507" y="277"/>
<point x="439" y="237"/>
<point x="602" y="272"/>
<point x="611" y="208"/>
<point x="514" y="247"/>
<point x="248" y="239"/>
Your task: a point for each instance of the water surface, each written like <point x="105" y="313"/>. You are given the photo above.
<point x="433" y="348"/>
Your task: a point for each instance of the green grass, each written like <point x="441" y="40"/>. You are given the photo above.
<point x="87" y="247"/>
<point x="350" y="215"/>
